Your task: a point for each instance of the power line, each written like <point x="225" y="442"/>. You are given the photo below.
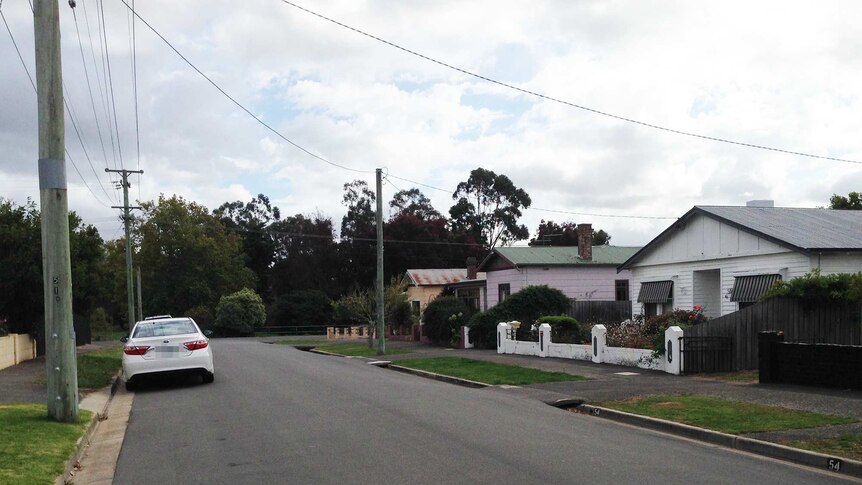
<point x="562" y="101"/>
<point x="111" y="84"/>
<point x="237" y="103"/>
<point x="103" y="91"/>
<point x="90" y="89"/>
<point x="33" y="84"/>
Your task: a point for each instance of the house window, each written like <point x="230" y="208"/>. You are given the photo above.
<point x="503" y="292"/>
<point x="470" y="297"/>
<point x="656" y="296"/>
<point x="747" y="290"/>
<point x="415" y="306"/>
<point x="622" y="290"/>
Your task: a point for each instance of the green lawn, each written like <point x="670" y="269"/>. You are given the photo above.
<point x="732" y="417"/>
<point x="33" y="448"/>
<point x="487" y="372"/>
<point x="97" y="369"/>
<point x="353" y="348"/>
<point x="847" y="446"/>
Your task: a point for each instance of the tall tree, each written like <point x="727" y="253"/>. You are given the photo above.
<point x="413" y="202"/>
<point x="358" y="234"/>
<point x="853" y="201"/>
<point x="549" y="233"/>
<point x="251" y="221"/>
<point x="187" y="257"/>
<point x="306" y="256"/>
<point x="488" y="207"/>
<point x="21" y="290"/>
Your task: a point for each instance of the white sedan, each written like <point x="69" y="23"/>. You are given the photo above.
<point x="163" y="345"/>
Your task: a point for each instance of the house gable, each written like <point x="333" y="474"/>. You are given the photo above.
<point x="698" y="237"/>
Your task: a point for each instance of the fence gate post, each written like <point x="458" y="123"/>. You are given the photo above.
<point x="600" y="341"/>
<point x="544" y="339"/>
<point x="502" y="330"/>
<point x="672" y="351"/>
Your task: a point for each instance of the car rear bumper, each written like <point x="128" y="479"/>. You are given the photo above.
<point x="136" y="365"/>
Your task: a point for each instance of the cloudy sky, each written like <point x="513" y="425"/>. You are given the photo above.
<point x="783" y="74"/>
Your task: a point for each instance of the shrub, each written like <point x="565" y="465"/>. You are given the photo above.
<point x="524" y="306"/>
<point x="4" y="329"/>
<point x="239" y="313"/>
<point x="300" y="308"/>
<point x="813" y="289"/>
<point x="629" y="333"/>
<point x="100" y="324"/>
<point x="565" y="329"/>
<point x="443" y="318"/>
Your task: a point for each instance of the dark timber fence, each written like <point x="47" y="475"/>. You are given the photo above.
<point x="834" y="324"/>
<point x="600" y="311"/>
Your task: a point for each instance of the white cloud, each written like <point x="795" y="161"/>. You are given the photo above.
<point x="782" y="74"/>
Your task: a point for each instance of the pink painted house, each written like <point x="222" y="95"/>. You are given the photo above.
<point x="583" y="273"/>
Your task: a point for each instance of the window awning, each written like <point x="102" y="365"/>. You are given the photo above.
<point x="655" y="292"/>
<point x="750" y="288"/>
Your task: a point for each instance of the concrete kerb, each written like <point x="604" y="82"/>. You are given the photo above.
<point x="439" y="377"/>
<point x="84" y="441"/>
<point x="741" y="443"/>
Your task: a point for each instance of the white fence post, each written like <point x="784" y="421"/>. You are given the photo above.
<point x="502" y="330"/>
<point x="465" y="338"/>
<point x="544" y="339"/>
<point x="600" y="341"/>
<point x="672" y="354"/>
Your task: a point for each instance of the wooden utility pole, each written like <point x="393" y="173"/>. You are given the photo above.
<point x="140" y="301"/>
<point x="127" y="220"/>
<point x="60" y="361"/>
<point x="381" y="337"/>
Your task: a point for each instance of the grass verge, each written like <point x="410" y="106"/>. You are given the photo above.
<point x="847" y="446"/>
<point x="734" y="417"/>
<point x="33" y="448"/>
<point x="487" y="372"/>
<point x="356" y="348"/>
<point x="97" y="369"/>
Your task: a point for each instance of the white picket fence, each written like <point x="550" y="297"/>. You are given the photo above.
<point x="597" y="352"/>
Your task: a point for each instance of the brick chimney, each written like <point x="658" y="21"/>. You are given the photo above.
<point x="585" y="241"/>
<point x="472" y="268"/>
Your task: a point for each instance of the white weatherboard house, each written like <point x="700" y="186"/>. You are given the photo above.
<point x="583" y="272"/>
<point x="724" y="258"/>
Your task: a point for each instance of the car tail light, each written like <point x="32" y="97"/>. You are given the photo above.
<point x="136" y="349"/>
<point x="196" y="344"/>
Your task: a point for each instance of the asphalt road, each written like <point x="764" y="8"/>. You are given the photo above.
<point x="279" y="415"/>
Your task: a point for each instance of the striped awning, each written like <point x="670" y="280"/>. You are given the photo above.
<point x="655" y="292"/>
<point x="751" y="288"/>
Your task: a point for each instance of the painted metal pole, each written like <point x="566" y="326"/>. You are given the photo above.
<point x="381" y="337"/>
<point x="60" y="361"/>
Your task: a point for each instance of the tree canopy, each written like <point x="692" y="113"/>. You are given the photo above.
<point x="488" y="207"/>
<point x="549" y="233"/>
<point x="853" y="201"/>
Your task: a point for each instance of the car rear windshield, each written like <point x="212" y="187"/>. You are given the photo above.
<point x="164" y="329"/>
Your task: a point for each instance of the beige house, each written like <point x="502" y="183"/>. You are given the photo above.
<point x="427" y="284"/>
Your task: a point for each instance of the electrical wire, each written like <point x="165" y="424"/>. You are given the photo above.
<point x="111" y="85"/>
<point x="33" y="84"/>
<point x="90" y="89"/>
<point x="237" y="103"/>
<point x="564" y="102"/>
<point x="135" y="95"/>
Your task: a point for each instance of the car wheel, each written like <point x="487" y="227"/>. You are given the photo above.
<point x="131" y="386"/>
<point x="208" y="377"/>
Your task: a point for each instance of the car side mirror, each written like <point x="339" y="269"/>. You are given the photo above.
<point x="208" y="333"/>
<point x="124" y="339"/>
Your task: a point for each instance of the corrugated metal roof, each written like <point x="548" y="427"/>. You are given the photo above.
<point x="751" y="288"/>
<point x="655" y="291"/>
<point x="803" y="228"/>
<point x="433" y="277"/>
<point x="564" y="255"/>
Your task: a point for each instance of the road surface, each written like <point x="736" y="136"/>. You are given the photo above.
<point x="279" y="415"/>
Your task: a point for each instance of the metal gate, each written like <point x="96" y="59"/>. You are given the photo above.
<point x="706" y="354"/>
